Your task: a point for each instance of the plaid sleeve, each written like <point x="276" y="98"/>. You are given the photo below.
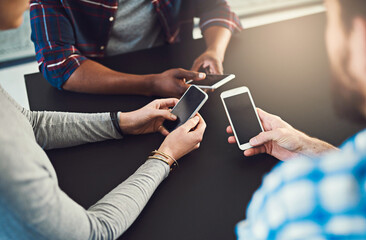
<point x="219" y="14"/>
<point x="53" y="38"/>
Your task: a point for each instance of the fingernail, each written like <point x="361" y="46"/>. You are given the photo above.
<point x="196" y="118"/>
<point x="201" y="75"/>
<point x="172" y="116"/>
<point x="253" y="141"/>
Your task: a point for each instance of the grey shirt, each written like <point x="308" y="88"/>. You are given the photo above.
<point x="32" y="206"/>
<point x="136" y="27"/>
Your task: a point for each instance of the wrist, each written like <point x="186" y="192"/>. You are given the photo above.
<point x="152" y="86"/>
<point x="167" y="151"/>
<point x="313" y="146"/>
<point x="214" y="51"/>
<point x="168" y="160"/>
<point x="123" y="122"/>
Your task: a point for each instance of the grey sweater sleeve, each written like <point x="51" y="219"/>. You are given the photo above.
<point x="58" y="129"/>
<point x="46" y="212"/>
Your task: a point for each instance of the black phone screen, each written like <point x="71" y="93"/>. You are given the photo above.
<point x="210" y="79"/>
<point x="184" y="109"/>
<point x="243" y="117"/>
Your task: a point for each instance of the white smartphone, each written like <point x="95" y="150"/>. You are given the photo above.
<point x="187" y="107"/>
<point x="212" y="81"/>
<point x="242" y="115"/>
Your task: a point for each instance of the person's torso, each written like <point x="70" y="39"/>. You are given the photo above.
<point x="136" y="26"/>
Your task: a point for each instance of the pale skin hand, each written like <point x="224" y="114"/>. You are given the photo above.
<point x="148" y="119"/>
<point x="184" y="139"/>
<point x="281" y="140"/>
<point x="92" y="77"/>
<point x="217" y="39"/>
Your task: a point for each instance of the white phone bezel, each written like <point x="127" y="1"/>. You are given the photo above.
<point x="234" y="92"/>
<point x="216" y="85"/>
<point x="199" y="106"/>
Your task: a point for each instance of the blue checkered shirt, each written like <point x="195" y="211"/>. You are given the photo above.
<point x="312" y="198"/>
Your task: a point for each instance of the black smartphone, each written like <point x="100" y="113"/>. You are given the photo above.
<point x="187" y="107"/>
<point x="242" y="114"/>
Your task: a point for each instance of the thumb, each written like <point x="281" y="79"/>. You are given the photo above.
<point x="190" y="75"/>
<point x="262" y="138"/>
<point x="191" y="123"/>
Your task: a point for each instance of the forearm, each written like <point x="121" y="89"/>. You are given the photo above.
<point x="114" y="213"/>
<point x="58" y="130"/>
<point x="217" y="39"/>
<point x="92" y="77"/>
<point x="43" y="211"/>
<point x="313" y="146"/>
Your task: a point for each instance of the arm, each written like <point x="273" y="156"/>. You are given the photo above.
<point x="281" y="140"/>
<point x="38" y="209"/>
<point x="36" y="201"/>
<point x="59" y="130"/>
<point x="63" y="62"/>
<point x="217" y="39"/>
<point x="92" y="77"/>
<point x="217" y="23"/>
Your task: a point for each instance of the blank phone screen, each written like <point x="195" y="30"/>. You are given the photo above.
<point x="243" y="117"/>
<point x="185" y="108"/>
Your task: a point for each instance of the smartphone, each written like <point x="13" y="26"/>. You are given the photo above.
<point x="242" y="115"/>
<point x="187" y="107"/>
<point x="212" y="81"/>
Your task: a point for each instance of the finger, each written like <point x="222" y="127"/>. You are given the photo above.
<point x="196" y="66"/>
<point x="164" y="113"/>
<point x="183" y="88"/>
<point x="189" y="75"/>
<point x="208" y="90"/>
<point x="263" y="115"/>
<point x="191" y="123"/>
<point x="254" y="151"/>
<point x="263" y="138"/>
<point x="216" y="67"/>
<point x="166" y="102"/>
<point x="231" y="139"/>
<point x="229" y="130"/>
<point x="163" y="131"/>
<point x="201" y="125"/>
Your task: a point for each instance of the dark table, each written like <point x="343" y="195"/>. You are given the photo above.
<point x="285" y="66"/>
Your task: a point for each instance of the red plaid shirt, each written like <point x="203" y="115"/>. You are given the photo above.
<point x="66" y="32"/>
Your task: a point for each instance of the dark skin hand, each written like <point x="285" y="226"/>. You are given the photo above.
<point x="92" y="77"/>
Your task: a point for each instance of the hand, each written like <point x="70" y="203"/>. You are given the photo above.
<point x="209" y="59"/>
<point x="280" y="139"/>
<point x="184" y="139"/>
<point x="171" y="83"/>
<point x="149" y="118"/>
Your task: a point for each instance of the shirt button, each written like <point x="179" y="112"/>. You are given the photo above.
<point x="102" y="47"/>
<point x="111" y="19"/>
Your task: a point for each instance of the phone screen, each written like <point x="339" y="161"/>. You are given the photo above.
<point x="243" y="117"/>
<point x="210" y="79"/>
<point x="186" y="106"/>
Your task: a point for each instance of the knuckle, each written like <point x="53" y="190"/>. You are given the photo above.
<point x="278" y="118"/>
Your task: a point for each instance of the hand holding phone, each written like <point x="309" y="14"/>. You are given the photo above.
<point x="242" y="115"/>
<point x="187" y="107"/>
